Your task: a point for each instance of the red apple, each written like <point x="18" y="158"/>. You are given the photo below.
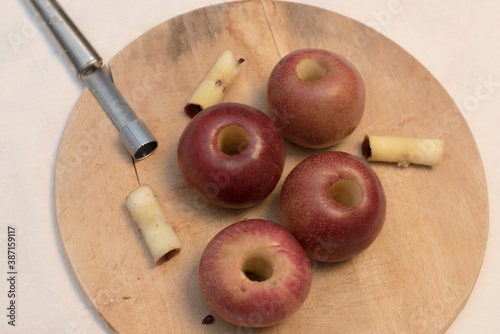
<point x="315" y="97"/>
<point x="254" y="273"/>
<point x="334" y="204"/>
<point x="231" y="155"/>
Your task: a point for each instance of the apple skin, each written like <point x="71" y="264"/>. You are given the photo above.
<point x="245" y="302"/>
<point x="330" y="231"/>
<point x="231" y="181"/>
<point x="320" y="113"/>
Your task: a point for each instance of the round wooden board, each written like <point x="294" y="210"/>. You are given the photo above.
<point x="416" y="277"/>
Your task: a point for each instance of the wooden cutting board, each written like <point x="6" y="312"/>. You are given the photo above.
<point x="415" y="278"/>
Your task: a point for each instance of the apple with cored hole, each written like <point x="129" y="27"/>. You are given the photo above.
<point x="254" y="273"/>
<point x="232" y="155"/>
<point x="334" y="204"/>
<point x="315" y="97"/>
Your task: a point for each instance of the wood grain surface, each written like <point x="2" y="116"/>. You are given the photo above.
<point x="415" y="278"/>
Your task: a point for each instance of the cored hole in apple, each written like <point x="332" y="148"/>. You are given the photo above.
<point x="258" y="267"/>
<point x="310" y="70"/>
<point x="233" y="139"/>
<point x="346" y="192"/>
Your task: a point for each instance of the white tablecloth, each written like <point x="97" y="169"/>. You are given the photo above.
<point x="458" y="41"/>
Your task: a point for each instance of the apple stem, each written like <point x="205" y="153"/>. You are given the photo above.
<point x="192" y="109"/>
